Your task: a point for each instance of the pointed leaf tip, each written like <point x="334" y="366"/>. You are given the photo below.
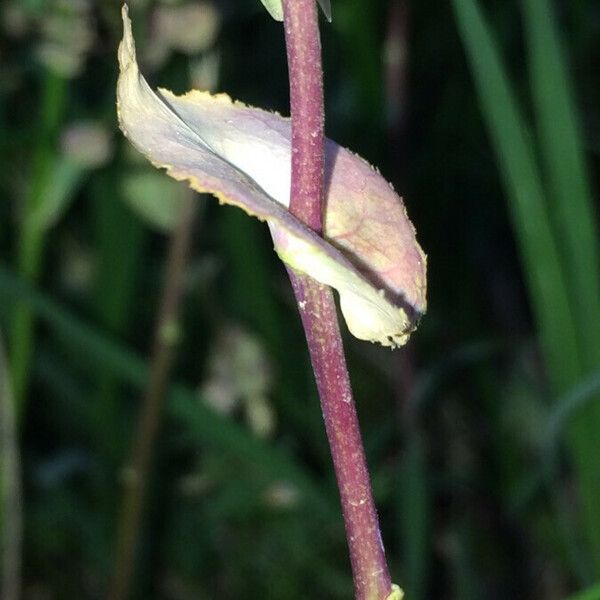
<point x="326" y="8"/>
<point x="275" y="8"/>
<point x="127" y="45"/>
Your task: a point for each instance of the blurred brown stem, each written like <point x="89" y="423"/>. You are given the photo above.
<point x="395" y="64"/>
<point x="396" y="86"/>
<point x="163" y="354"/>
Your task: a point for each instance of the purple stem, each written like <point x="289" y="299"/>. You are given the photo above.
<point x="307" y="109"/>
<point x="318" y="311"/>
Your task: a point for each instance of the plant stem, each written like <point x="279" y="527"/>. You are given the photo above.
<point x="317" y="307"/>
<point x="163" y="354"/>
<point x="307" y="110"/>
<point x="319" y="317"/>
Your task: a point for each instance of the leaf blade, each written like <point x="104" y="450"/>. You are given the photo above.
<point x="242" y="156"/>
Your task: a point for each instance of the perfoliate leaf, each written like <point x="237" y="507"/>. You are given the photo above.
<point x="275" y="8"/>
<point x="240" y="154"/>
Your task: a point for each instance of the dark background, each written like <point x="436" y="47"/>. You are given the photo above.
<point x="477" y="469"/>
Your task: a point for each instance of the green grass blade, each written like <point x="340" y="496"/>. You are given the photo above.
<point x="11" y="501"/>
<point x="31" y="237"/>
<point x="120" y="239"/>
<point x="514" y="151"/>
<point x="569" y="192"/>
<point x="541" y="254"/>
<point x="414" y="514"/>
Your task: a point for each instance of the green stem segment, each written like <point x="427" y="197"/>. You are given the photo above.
<point x="318" y="311"/>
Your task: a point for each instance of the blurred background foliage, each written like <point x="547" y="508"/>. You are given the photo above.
<point x="482" y="434"/>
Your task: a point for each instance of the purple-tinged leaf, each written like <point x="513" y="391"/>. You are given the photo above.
<point x="242" y="155"/>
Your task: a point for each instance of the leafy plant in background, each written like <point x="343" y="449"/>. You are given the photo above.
<point x="11" y="505"/>
<point x="548" y="189"/>
<point x="368" y="251"/>
<point x="55" y="177"/>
